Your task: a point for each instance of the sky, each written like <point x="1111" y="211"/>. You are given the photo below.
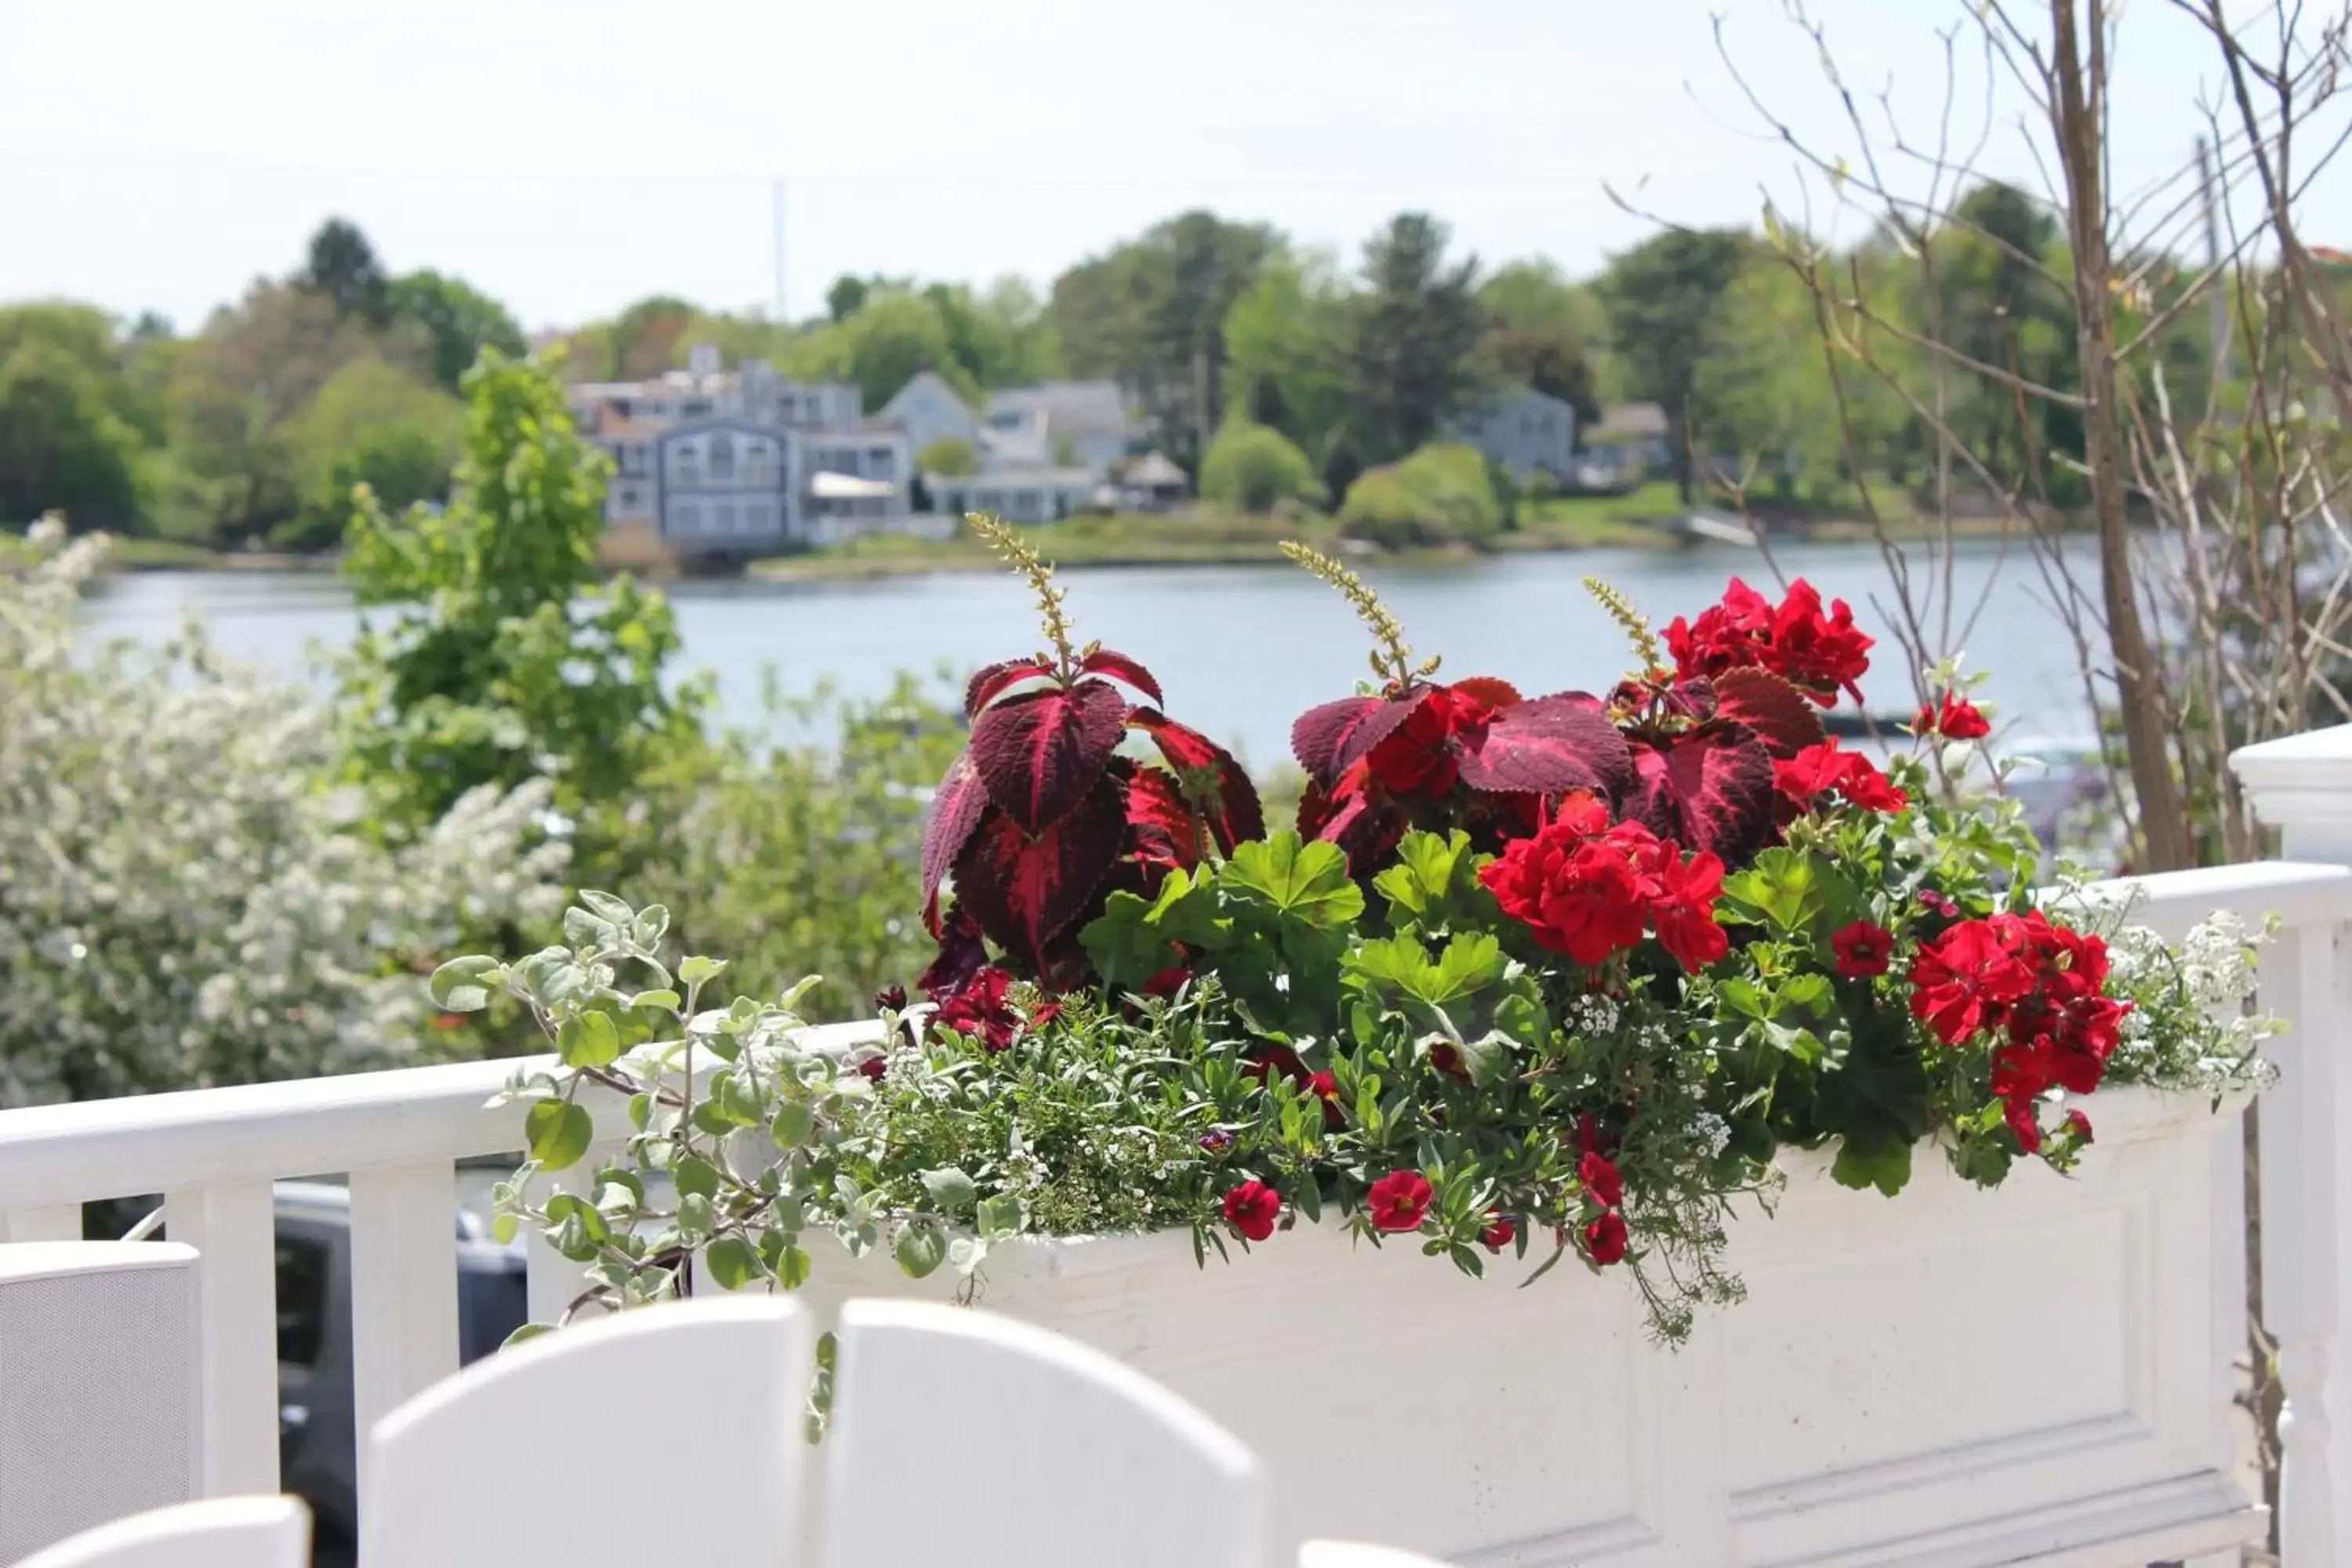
<point x="567" y="158"/>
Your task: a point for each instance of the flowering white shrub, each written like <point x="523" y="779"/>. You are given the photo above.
<point x="184" y="899"/>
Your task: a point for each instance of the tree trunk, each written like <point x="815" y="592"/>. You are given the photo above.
<point x="1678" y="433"/>
<point x="2078" y="107"/>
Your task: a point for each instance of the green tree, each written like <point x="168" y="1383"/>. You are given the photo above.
<point x="372" y="424"/>
<point x="648" y="338"/>
<point x="882" y="347"/>
<point x="61" y="447"/>
<point x="846" y="298"/>
<point x="1666" y="316"/>
<point x="1441" y="495"/>
<point x="1416" y="326"/>
<point x="1287" y="349"/>
<point x="461" y="321"/>
<point x="950" y="457"/>
<point x="341" y="267"/>
<point x="1544" y="332"/>
<point x="1150" y="315"/>
<point x="1250" y="467"/>
<point x="489" y="670"/>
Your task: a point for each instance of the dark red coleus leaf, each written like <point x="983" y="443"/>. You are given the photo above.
<point x="1328" y="739"/>
<point x="1784" y="718"/>
<point x="1024" y="888"/>
<point x="956" y="810"/>
<point x="1345" y="816"/>
<point x="989" y="679"/>
<point x="1119" y="667"/>
<point x="1161" y="829"/>
<point x="1039" y="753"/>
<point x="961" y="956"/>
<point x="1214" y="781"/>
<point x="1485" y="688"/>
<point x="1708" y="788"/>
<point x="1547" y="746"/>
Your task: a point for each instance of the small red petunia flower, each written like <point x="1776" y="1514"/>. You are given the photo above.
<point x="1399" y="1200"/>
<point x="1863" y="950"/>
<point x="982" y="1008"/>
<point x="1217" y="1140"/>
<point x="1323" y="1086"/>
<point x="448" y="1020"/>
<point x="1604" y="1239"/>
<point x="1500" y="1233"/>
<point x="874" y="1066"/>
<point x="1252" y="1208"/>
<point x="1953" y="717"/>
<point x="2079" y="1125"/>
<point x="2018" y="1114"/>
<point x="890" y="999"/>
<point x="1603" y="1182"/>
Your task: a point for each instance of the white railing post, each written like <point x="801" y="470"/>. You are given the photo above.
<point x="2302" y="785"/>
<point x="404" y="1289"/>
<point x="234" y="1231"/>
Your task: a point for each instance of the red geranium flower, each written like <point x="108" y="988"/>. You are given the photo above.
<point x="1604" y="1239"/>
<point x="1399" y="1200"/>
<point x="2079" y="1125"/>
<point x="1960" y="976"/>
<point x="1863" y="950"/>
<point x="1816" y="652"/>
<point x="1828" y="768"/>
<point x="1500" y="1233"/>
<point x="2018" y="1114"/>
<point x="1588" y="889"/>
<point x="1954" y="717"/>
<point x="1603" y="1182"/>
<point x="1252" y="1208"/>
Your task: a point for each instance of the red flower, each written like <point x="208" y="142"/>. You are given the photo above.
<point x="1938" y="903"/>
<point x="1216" y="1140"/>
<point x="1604" y="1239"/>
<point x="1252" y="1208"/>
<point x="448" y="1020"/>
<point x="1603" y="1182"/>
<point x="874" y="1066"/>
<point x="2018" y="1114"/>
<point x="1499" y="1233"/>
<point x="1828" y="768"/>
<point x="1863" y="950"/>
<point x="1323" y="1086"/>
<point x="2079" y="1125"/>
<point x="1399" y="1200"/>
<point x="1960" y="981"/>
<point x="982" y="1007"/>
<point x="1818" y="653"/>
<point x="1168" y="981"/>
<point x="1589" y="889"/>
<point x="1683" y="908"/>
<point x="890" y="999"/>
<point x="1954" y="717"/>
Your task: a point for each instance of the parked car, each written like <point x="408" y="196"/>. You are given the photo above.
<point x="318" y="1443"/>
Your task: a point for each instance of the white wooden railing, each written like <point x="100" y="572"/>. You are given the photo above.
<point x="398" y="1136"/>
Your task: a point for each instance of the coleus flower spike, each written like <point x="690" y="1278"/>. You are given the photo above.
<point x="1041" y="816"/>
<point x="1471" y="753"/>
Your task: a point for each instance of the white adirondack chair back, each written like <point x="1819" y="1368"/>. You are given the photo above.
<point x="470" y="1473"/>
<point x="226" y="1532"/>
<point x="1356" y="1555"/>
<point x="960" y="1437"/>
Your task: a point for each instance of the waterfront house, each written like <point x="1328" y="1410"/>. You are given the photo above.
<point x="1524" y="431"/>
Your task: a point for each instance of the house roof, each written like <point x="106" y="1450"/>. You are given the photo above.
<point x="1025" y="477"/>
<point x="1070" y="407"/>
<point x="1014" y="449"/>
<point x="924" y="380"/>
<point x="1154" y="471"/>
<point x="1630" y="421"/>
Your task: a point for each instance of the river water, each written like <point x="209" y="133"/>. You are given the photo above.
<point x="1241" y="650"/>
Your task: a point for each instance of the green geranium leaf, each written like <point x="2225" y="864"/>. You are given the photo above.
<point x="456" y="986"/>
<point x="1300" y="882"/>
<point x="1862" y="1162"/>
<point x="1422" y="881"/>
<point x="733" y="1263"/>
<point x="1781" y="890"/>
<point x="1469" y="963"/>
<point x="558" y="1132"/>
<point x="588" y="1040"/>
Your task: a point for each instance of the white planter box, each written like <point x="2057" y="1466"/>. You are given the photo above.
<point x="1955" y="1377"/>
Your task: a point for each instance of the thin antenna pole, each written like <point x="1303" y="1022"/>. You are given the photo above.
<point x="783" y="312"/>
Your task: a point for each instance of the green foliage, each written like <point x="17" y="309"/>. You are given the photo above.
<point x="1411" y="365"/>
<point x="1251" y="467"/>
<point x="1666" y="300"/>
<point x="61" y="448"/>
<point x="1440" y="495"/>
<point x="341" y="268"/>
<point x="882" y="346"/>
<point x="950" y="457"/>
<point x="489" y="670"/>
<point x="648" y="338"/>
<point x="461" y="321"/>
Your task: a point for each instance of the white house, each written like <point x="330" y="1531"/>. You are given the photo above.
<point x="927" y="409"/>
<point x="1017" y="495"/>
<point x="1072" y="423"/>
<point x="712" y="462"/>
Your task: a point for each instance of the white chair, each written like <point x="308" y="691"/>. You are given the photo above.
<point x="1356" y="1555"/>
<point x="959" y="1437"/>
<point x="566" y="1450"/>
<point x="226" y="1532"/>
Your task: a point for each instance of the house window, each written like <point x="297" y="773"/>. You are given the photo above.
<point x="722" y="459"/>
<point x="686" y="518"/>
<point x="1028" y="505"/>
<point x="722" y="518"/>
<point x="694" y="408"/>
<point x="877" y="463"/>
<point x="629" y="497"/>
